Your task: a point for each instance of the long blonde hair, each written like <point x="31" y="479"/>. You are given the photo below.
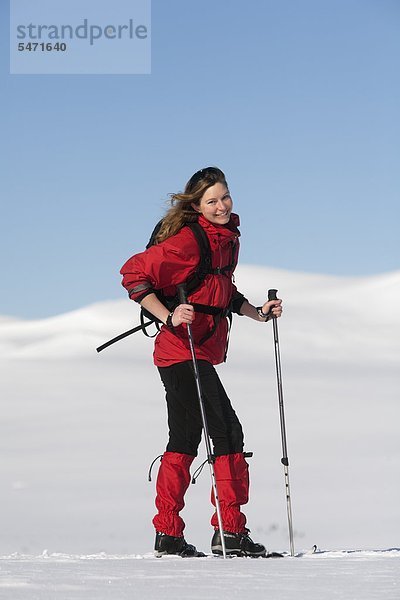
<point x="182" y="211"/>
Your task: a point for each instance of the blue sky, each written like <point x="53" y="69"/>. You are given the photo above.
<point x="297" y="101"/>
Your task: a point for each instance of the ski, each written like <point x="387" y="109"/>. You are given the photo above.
<point x="308" y="552"/>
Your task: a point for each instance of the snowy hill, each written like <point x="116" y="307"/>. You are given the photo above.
<point x="322" y="314"/>
<point x="79" y="429"/>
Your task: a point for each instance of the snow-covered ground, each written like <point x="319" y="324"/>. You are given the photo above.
<point x="78" y="431"/>
<point x="355" y="576"/>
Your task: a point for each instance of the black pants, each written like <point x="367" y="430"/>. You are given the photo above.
<point x="184" y="416"/>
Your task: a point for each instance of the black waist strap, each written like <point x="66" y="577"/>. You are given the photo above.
<point x="221" y="270"/>
<point x="210" y="310"/>
<point x="218" y="313"/>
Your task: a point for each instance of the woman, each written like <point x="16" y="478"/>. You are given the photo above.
<point x="168" y="263"/>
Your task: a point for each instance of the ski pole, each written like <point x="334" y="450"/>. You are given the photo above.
<point x="210" y="457"/>
<point x="284" y="459"/>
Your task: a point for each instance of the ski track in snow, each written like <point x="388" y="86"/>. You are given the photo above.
<point x="342" y="574"/>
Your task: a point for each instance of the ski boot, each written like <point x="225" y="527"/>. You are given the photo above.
<point x="237" y="544"/>
<point x="168" y="544"/>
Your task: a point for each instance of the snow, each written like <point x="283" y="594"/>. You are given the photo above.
<point x="360" y="575"/>
<point x="79" y="430"/>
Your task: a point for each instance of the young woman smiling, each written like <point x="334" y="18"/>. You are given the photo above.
<point x="170" y="262"/>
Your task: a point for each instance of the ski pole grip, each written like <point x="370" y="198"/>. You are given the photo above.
<point x="272" y="295"/>
<point x="182" y="293"/>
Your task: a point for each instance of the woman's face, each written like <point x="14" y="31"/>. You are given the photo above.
<point x="216" y="204"/>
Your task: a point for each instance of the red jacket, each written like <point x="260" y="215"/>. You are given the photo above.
<point x="166" y="265"/>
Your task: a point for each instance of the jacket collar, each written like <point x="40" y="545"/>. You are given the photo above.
<point x="230" y="230"/>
